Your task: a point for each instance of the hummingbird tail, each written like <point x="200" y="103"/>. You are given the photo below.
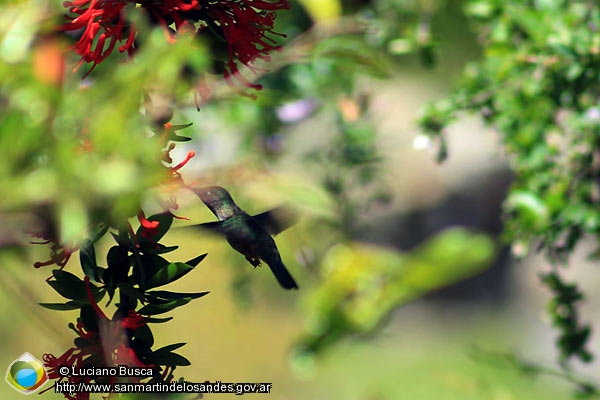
<point x="282" y="274"/>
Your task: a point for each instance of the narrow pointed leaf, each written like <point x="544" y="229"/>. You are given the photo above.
<point x="158" y="320"/>
<point x="153" y="309"/>
<point x="164" y="294"/>
<point x="181" y="126"/>
<point x="169" y="348"/>
<point x="197" y="260"/>
<point x="161" y="249"/>
<point x="168" y="274"/>
<point x="177" y="138"/>
<point x="70" y="305"/>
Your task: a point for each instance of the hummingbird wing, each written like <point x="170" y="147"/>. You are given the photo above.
<point x="214" y="227"/>
<point x="276" y="220"/>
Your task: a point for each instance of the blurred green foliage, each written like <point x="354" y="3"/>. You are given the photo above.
<point x="537" y="86"/>
<point x="363" y="284"/>
<point x="80" y="147"/>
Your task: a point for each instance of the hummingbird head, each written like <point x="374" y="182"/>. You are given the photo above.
<point x="218" y="200"/>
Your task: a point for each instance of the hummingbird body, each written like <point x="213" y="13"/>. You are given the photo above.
<point x="249" y="235"/>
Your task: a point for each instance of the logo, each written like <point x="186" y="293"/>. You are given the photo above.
<point x="26" y="374"/>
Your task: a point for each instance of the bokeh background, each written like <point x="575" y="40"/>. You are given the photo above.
<point x="455" y="342"/>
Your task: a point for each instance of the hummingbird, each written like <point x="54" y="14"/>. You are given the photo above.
<point x="247" y="234"/>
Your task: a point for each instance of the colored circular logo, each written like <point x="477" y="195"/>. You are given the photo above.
<point x="26" y="374"/>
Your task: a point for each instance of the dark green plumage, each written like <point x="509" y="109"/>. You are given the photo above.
<point x="249" y="235"/>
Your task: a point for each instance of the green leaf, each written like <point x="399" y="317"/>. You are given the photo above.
<point x="146" y="266"/>
<point x="153" y="309"/>
<point x="168" y="274"/>
<point x="163" y="294"/>
<point x="170" y="359"/>
<point x="87" y="258"/>
<point x="530" y="208"/>
<point x="177" y="138"/>
<point x="161" y="249"/>
<point x="117" y="259"/>
<point x="180" y="127"/>
<point x="143" y="335"/>
<point x="158" y="320"/>
<point x="197" y="260"/>
<point x="69" y="305"/>
<point x="364" y="283"/>
<point x="450" y="256"/>
<point x="68" y="285"/>
<point x="169" y="348"/>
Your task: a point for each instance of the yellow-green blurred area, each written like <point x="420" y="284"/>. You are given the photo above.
<point x="413" y="298"/>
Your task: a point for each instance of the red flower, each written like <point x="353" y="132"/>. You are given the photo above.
<point x="102" y="21"/>
<point x="71" y="358"/>
<point x="246" y="25"/>
<point x="107" y="347"/>
<point x="149" y="228"/>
